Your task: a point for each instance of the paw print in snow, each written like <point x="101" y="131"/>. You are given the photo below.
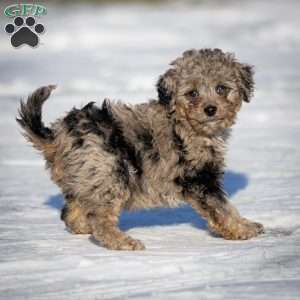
<point x="24" y="33"/>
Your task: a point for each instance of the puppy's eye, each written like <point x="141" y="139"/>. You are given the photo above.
<point x="222" y="90"/>
<point x="193" y="94"/>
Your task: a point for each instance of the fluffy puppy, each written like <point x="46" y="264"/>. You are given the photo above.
<point x="161" y="153"/>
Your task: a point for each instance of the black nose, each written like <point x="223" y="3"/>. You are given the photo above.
<point x="210" y="110"/>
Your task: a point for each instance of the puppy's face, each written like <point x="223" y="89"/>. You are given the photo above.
<point x="206" y="88"/>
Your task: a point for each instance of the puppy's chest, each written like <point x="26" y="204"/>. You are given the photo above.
<point x="202" y="151"/>
<point x="163" y="179"/>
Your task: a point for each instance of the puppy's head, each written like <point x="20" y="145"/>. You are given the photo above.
<point x="206" y="88"/>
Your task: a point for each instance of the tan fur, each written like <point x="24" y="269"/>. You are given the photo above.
<point x="75" y="218"/>
<point x="161" y="153"/>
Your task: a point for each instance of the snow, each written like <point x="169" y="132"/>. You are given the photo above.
<point x="121" y="56"/>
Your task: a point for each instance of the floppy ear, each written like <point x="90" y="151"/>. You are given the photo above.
<point x="166" y="86"/>
<point x="246" y="73"/>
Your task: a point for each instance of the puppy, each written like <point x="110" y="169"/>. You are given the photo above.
<point x="161" y="153"/>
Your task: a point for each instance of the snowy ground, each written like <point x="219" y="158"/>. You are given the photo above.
<point x="96" y="51"/>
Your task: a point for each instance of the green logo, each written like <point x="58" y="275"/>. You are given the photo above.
<point x="23" y="9"/>
<point x="24" y="28"/>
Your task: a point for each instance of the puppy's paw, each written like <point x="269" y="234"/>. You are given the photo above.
<point x="79" y="228"/>
<point x="244" y="230"/>
<point x="131" y="244"/>
<point x="253" y="228"/>
<point x="127" y="244"/>
<point x="237" y="229"/>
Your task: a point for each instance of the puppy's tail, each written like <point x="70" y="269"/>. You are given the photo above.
<point x="30" y="119"/>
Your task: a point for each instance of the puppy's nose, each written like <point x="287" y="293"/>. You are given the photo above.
<point x="210" y="110"/>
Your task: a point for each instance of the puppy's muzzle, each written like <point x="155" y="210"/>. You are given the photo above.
<point x="210" y="110"/>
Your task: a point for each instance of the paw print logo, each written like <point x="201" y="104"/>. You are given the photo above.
<point x="24" y="32"/>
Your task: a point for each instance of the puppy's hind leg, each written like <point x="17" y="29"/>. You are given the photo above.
<point x="74" y="216"/>
<point x="103" y="220"/>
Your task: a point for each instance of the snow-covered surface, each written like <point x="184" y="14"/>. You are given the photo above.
<point x="93" y="52"/>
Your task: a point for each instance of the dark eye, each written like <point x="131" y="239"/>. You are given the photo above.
<point x="221" y="89"/>
<point x="193" y="94"/>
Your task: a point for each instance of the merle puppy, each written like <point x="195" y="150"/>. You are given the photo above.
<point x="161" y="153"/>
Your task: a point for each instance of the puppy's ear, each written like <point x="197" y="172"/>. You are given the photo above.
<point x="246" y="73"/>
<point x="166" y="86"/>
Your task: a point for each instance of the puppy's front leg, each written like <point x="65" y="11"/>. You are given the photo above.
<point x="224" y="219"/>
<point x="203" y="190"/>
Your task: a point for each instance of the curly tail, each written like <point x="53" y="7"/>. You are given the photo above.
<point x="31" y="121"/>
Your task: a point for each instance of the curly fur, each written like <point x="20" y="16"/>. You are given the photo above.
<point x="161" y="153"/>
